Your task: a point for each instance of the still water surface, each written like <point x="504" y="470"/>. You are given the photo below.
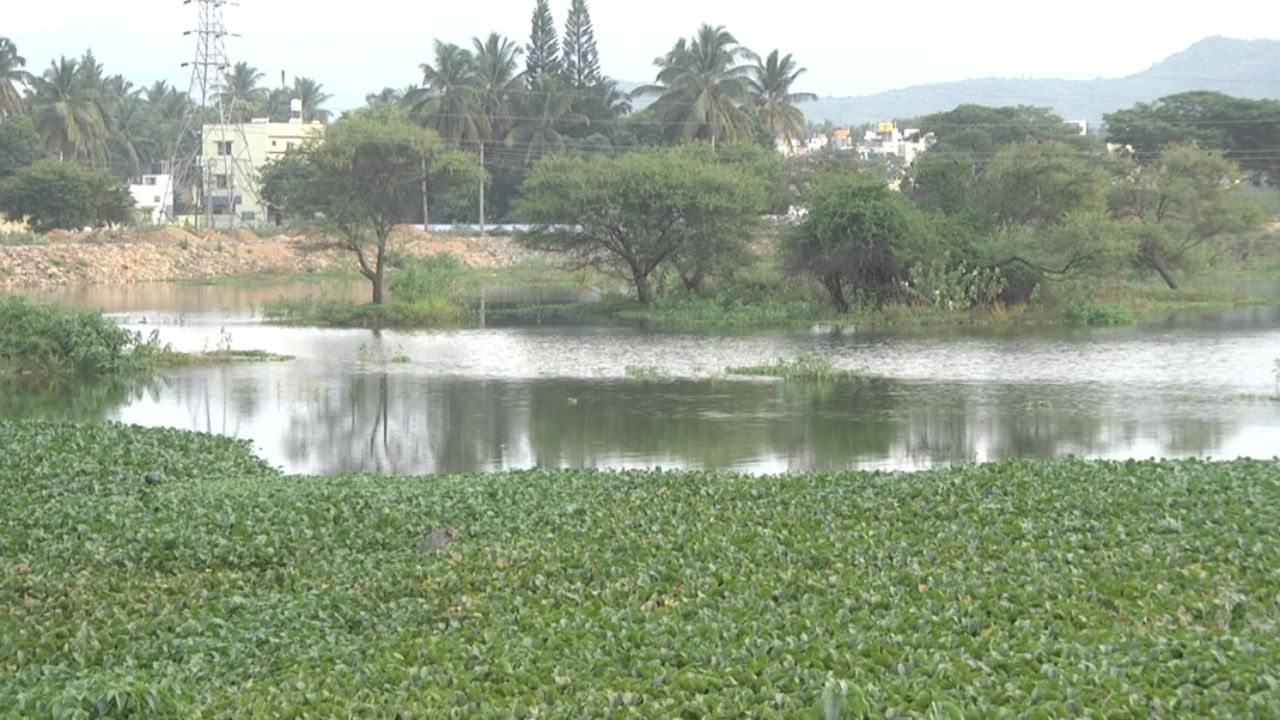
<point x="1194" y="384"/>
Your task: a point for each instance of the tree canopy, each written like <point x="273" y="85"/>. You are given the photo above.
<point x="638" y="211"/>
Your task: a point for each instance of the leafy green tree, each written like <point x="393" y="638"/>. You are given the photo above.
<point x="364" y="178"/>
<point x="770" y="82"/>
<point x="19" y="145"/>
<point x="66" y="110"/>
<point x="542" y="54"/>
<point x="1038" y="183"/>
<point x="702" y="90"/>
<point x="313" y="98"/>
<point x="948" y="175"/>
<point x="1246" y="130"/>
<point x="12" y="76"/>
<point x="580" y="59"/>
<point x="1180" y="204"/>
<point x="857" y="234"/>
<point x="449" y="102"/>
<point x="635" y="212"/>
<point x="50" y="194"/>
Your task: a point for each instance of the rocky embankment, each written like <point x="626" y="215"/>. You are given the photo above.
<point x="116" y="257"/>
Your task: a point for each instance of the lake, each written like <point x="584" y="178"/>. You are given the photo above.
<point x="1190" y="384"/>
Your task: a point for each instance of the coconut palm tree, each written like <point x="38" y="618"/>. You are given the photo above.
<point x="701" y="88"/>
<point x="167" y="107"/>
<point x="541" y="115"/>
<point x="496" y="74"/>
<point x="241" y="93"/>
<point x="602" y="105"/>
<point x="131" y="142"/>
<point x="276" y="105"/>
<point x="12" y="76"/>
<point x="67" y="114"/>
<point x="448" y="101"/>
<point x="313" y="98"/>
<point x="770" y="83"/>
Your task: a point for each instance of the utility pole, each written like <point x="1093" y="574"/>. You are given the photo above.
<point x="482" y="188"/>
<point x="425" y="220"/>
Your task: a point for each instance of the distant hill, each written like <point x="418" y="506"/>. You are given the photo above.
<point x="1244" y="68"/>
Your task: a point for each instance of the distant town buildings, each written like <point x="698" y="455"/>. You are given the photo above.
<point x="883" y="139"/>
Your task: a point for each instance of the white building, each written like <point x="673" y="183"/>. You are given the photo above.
<point x="887" y="139"/>
<point x="232" y="158"/>
<point x="153" y="196"/>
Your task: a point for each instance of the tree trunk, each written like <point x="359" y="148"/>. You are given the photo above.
<point x="378" y="272"/>
<point x="836" y="288"/>
<point x="1153" y="261"/>
<point x="643" y="292"/>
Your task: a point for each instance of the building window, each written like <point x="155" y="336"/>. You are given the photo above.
<point x="289" y="146"/>
<point x="149" y="180"/>
<point x="156" y="199"/>
<point x="273" y="143"/>
<point x="224" y="147"/>
<point x="220" y="182"/>
<point x="248" y="216"/>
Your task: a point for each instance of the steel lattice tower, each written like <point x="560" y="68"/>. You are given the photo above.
<point x="189" y="167"/>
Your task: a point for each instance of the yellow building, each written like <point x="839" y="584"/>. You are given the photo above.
<point x="231" y="159"/>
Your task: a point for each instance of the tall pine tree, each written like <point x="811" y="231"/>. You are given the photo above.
<point x="581" y="63"/>
<point x="542" y="56"/>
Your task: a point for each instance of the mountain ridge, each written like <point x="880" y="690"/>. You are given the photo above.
<point x="1245" y="68"/>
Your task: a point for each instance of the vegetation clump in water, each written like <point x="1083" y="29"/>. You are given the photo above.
<point x="804" y="366"/>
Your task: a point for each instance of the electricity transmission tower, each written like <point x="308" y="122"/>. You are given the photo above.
<point x="209" y="168"/>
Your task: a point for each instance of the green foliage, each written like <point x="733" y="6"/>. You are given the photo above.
<point x="1039" y="183"/>
<point x="733" y="308"/>
<point x="858" y="235"/>
<point x="1081" y="312"/>
<point x="1181" y="204"/>
<point x="50" y="194"/>
<point x="639" y="211"/>
<point x="42" y="340"/>
<point x="19" y="239"/>
<point x="426" y="278"/>
<point x="542" y="54"/>
<point x="19" y="144"/>
<point x="1058" y="589"/>
<point x="955" y="286"/>
<point x="1243" y="129"/>
<point x="801" y="367"/>
<point x="580" y="59"/>
<point x="435" y="311"/>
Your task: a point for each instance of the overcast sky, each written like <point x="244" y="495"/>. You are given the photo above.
<point x="849" y="48"/>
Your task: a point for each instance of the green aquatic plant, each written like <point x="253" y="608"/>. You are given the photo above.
<point x="805" y="366"/>
<point x="1016" y="589"/>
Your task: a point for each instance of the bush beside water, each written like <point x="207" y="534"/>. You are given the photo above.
<point x="43" y="340"/>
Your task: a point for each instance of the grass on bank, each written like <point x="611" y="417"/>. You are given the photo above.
<point x="1018" y="589"/>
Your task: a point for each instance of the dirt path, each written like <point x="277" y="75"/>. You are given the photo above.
<point x="174" y="254"/>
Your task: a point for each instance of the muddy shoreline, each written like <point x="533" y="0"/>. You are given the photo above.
<point x="113" y="257"/>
